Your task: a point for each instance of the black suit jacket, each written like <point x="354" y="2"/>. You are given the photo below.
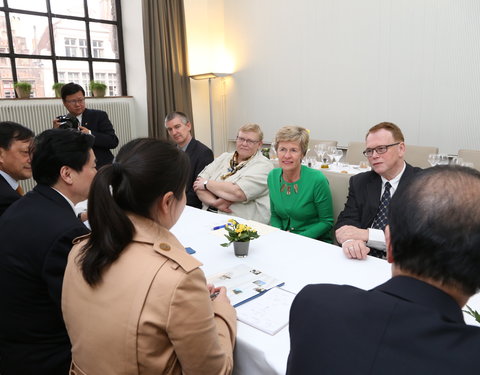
<point x="404" y="326"/>
<point x="7" y="195"/>
<point x="200" y="156"/>
<point x="36" y="235"/>
<point x="364" y="197"/>
<point x="105" y="139"/>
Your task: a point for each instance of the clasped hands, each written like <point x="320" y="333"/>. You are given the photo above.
<point x="354" y="241"/>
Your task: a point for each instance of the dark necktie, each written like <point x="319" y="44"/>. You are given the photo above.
<point x="381" y="219"/>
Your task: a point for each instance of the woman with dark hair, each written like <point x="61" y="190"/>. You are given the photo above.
<point x="133" y="300"/>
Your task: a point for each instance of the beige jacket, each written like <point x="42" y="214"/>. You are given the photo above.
<point x="150" y="314"/>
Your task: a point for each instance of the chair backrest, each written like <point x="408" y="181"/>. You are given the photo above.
<point x="314" y="142"/>
<point x="354" y="153"/>
<point x="470" y="156"/>
<point x="418" y="155"/>
<point x="339" y="187"/>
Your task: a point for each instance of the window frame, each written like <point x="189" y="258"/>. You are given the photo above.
<point x="53" y="57"/>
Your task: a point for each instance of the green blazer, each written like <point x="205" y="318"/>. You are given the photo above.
<point x="307" y="210"/>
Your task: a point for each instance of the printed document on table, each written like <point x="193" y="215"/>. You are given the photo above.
<point x="244" y="283"/>
<point x="268" y="313"/>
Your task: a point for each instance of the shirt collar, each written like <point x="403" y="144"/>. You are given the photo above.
<point x="394" y="181"/>
<point x="184" y="148"/>
<point x="68" y="200"/>
<point x="11" y="181"/>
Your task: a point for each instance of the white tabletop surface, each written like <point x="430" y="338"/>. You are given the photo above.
<point x="295" y="259"/>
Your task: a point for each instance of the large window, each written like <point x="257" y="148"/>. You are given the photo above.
<point x="47" y="41"/>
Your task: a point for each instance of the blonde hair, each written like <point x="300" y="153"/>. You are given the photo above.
<point x="293" y="134"/>
<point x="252" y="128"/>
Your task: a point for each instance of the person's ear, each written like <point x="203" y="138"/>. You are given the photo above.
<point x="389" y="245"/>
<point x="2" y="155"/>
<point x="66" y="174"/>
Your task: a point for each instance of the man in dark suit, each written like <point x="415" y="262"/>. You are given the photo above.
<point x="15" y="142"/>
<point x="36" y="234"/>
<point x="91" y="121"/>
<point x="359" y="228"/>
<point x="179" y="128"/>
<point x="412" y="324"/>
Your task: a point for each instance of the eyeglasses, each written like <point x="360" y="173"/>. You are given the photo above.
<point x="248" y="141"/>
<point x="75" y="101"/>
<point x="379" y="149"/>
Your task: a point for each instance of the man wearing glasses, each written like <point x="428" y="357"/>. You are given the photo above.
<point x="236" y="183"/>
<point x="360" y="226"/>
<point x="91" y="121"/>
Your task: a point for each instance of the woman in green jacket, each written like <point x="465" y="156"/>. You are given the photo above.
<point x="300" y="197"/>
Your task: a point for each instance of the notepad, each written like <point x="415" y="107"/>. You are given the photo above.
<point x="268" y="313"/>
<point x="244" y="283"/>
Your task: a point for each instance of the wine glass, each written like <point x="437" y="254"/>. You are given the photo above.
<point x="457" y="161"/>
<point x="320" y="150"/>
<point x="442" y="159"/>
<point x="331" y="153"/>
<point x="433" y="159"/>
<point x="338" y="155"/>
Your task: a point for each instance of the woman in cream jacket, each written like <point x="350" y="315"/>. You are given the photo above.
<point x="134" y="302"/>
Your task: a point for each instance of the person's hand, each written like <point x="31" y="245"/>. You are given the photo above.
<point x="56" y="123"/>
<point x="355" y="249"/>
<point x="349" y="232"/>
<point x="221" y="294"/>
<point x="83" y="129"/>
<point x="198" y="184"/>
<point x="223" y="205"/>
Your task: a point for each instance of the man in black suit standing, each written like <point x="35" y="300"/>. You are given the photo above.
<point x="36" y="234"/>
<point x="91" y="121"/>
<point x="179" y="128"/>
<point x="413" y="323"/>
<point x="360" y="226"/>
<point x="15" y="142"/>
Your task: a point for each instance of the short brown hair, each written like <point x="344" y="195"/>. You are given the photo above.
<point x="389" y="126"/>
<point x="293" y="134"/>
<point x="252" y="128"/>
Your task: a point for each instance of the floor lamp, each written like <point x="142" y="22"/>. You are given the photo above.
<point x="210" y="76"/>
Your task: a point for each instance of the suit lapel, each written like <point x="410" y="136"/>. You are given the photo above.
<point x="374" y="188"/>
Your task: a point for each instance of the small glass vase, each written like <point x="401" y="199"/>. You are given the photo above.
<point x="241" y="249"/>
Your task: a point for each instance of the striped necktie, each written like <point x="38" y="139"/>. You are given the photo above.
<point x="381" y="219"/>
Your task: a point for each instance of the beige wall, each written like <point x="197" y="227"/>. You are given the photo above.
<point x="338" y="67"/>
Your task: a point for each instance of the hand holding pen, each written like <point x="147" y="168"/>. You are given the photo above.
<point x="218" y="294"/>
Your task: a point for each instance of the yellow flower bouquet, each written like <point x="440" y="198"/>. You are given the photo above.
<point x="237" y="232"/>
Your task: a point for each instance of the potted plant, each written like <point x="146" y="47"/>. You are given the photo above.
<point x="98" y="89"/>
<point x="23" y="89"/>
<point x="240" y="235"/>
<point x="57" y="87"/>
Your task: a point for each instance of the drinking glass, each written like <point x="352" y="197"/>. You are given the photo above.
<point x="331" y="153"/>
<point x="433" y="159"/>
<point x="442" y="159"/>
<point x="456" y="161"/>
<point x="320" y="149"/>
<point x="338" y="155"/>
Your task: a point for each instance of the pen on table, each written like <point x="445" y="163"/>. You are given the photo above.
<point x="218" y="227"/>
<point x="214" y="295"/>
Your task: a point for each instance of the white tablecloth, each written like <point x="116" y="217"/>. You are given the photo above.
<point x="292" y="258"/>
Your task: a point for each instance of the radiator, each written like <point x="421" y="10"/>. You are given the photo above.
<point x="37" y="114"/>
